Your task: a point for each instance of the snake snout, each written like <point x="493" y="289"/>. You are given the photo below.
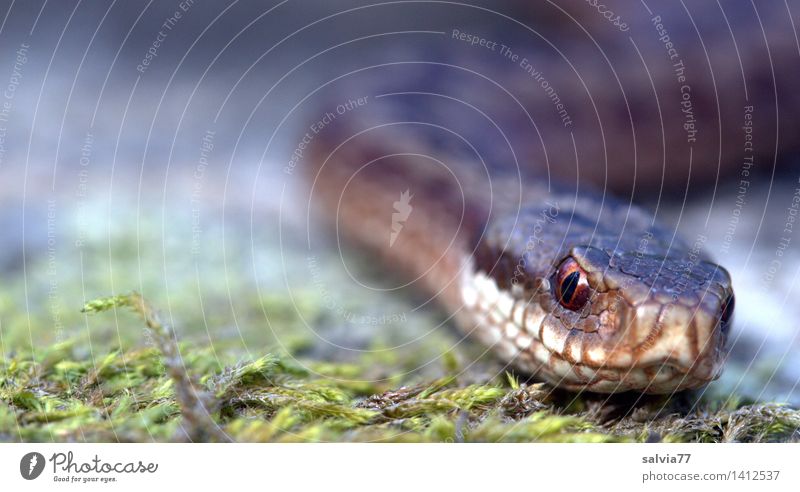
<point x="690" y="311"/>
<point x="672" y="318"/>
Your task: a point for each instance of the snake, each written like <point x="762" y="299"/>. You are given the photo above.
<point x="514" y="236"/>
<point x="605" y="303"/>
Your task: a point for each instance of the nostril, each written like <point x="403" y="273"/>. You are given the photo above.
<point x="727" y="313"/>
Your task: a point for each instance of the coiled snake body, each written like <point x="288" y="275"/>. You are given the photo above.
<point x="587" y="291"/>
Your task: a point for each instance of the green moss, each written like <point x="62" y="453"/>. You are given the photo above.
<point x="162" y="390"/>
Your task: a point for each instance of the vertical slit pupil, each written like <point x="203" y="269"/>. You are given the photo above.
<point x="568" y="286"/>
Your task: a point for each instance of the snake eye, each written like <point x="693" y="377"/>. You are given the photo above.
<point x="572" y="288"/>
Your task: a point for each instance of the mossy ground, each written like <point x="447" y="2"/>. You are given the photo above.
<point x="256" y="364"/>
<point x="176" y="391"/>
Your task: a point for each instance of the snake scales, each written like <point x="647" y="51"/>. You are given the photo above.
<point x="461" y="173"/>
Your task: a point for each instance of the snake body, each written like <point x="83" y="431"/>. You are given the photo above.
<point x="586" y="291"/>
<point x="656" y="312"/>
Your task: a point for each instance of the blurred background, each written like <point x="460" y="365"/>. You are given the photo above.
<point x="158" y="147"/>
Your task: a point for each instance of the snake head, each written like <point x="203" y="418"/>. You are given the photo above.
<point x="611" y="319"/>
<point x="638" y="320"/>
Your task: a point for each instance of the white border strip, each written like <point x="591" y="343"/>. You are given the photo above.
<point x="405" y="467"/>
